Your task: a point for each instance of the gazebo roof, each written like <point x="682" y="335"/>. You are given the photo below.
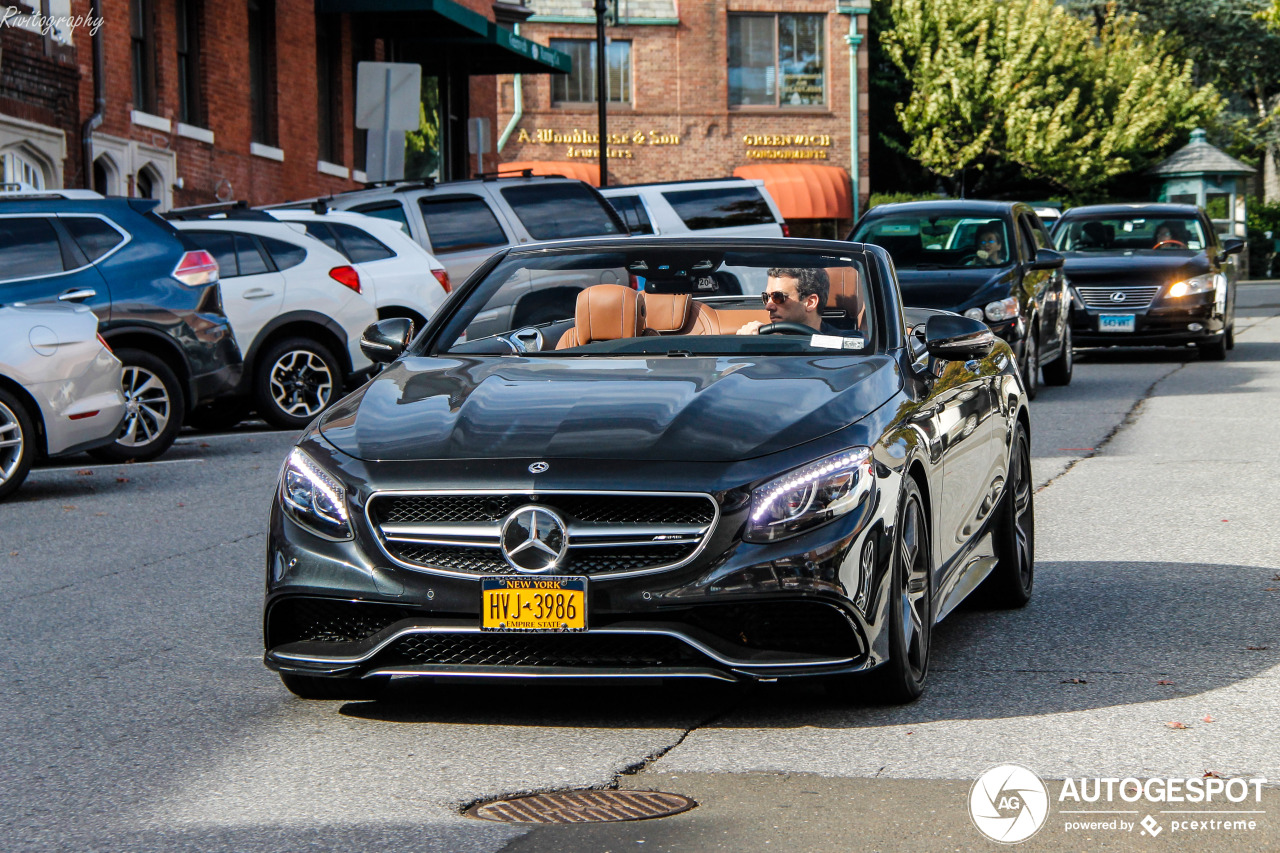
<point x="1198" y="157"/>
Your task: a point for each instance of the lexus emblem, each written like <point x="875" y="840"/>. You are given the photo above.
<point x="538" y="467"/>
<point x="1118" y="296"/>
<point x="534" y="539"/>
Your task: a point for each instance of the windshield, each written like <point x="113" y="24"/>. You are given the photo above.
<point x="1128" y="234"/>
<point x="938" y="240"/>
<point x="675" y="300"/>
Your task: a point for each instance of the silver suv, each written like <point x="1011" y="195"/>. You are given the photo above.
<point x="464" y="222"/>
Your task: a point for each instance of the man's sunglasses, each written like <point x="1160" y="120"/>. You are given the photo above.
<point x="777" y="297"/>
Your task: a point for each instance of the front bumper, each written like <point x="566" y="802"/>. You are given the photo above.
<point x="1158" y="325"/>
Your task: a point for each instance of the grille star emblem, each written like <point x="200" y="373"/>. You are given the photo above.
<point x="534" y="539"/>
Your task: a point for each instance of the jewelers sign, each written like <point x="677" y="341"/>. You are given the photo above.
<point x="620" y="144"/>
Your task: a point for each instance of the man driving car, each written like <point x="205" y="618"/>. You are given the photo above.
<point x="795" y="296"/>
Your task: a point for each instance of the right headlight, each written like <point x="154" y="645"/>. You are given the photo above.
<point x="1197" y="284"/>
<point x="810" y="496"/>
<point x="313" y="497"/>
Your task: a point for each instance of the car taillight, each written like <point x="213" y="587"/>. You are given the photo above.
<point x="196" y="269"/>
<point x="786" y="230"/>
<point x="346" y="276"/>
<point x="442" y="276"/>
<point x="106" y="346"/>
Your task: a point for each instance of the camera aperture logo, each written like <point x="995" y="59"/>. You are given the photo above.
<point x="1009" y="804"/>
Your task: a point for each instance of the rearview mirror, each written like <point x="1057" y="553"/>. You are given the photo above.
<point x="955" y="338"/>
<point x="386" y="340"/>
<point x="1047" y="259"/>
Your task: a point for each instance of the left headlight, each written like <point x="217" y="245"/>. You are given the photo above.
<point x="810" y="496"/>
<point x="313" y="497"/>
<point x="1206" y="283"/>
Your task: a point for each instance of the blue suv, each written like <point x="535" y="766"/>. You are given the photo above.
<point x="155" y="293"/>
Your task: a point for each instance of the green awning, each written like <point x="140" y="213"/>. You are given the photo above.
<point x="483" y="47"/>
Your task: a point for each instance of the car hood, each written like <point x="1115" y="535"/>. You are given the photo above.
<point x="712" y="409"/>
<point x="955" y="289"/>
<point x="1140" y="267"/>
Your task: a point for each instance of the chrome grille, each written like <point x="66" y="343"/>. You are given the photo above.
<point x="1134" y="297"/>
<point x="608" y="532"/>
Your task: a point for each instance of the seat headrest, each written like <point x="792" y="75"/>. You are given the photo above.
<point x="665" y="312"/>
<point x="607" y="312"/>
<point x="846" y="289"/>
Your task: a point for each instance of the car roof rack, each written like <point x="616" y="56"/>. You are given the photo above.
<point x="222" y="210"/>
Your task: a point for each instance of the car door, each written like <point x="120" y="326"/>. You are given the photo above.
<point x="1052" y="296"/>
<point x="41" y="262"/>
<point x="463" y="230"/>
<point x="252" y="292"/>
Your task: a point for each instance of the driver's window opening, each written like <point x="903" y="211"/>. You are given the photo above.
<point x="671" y="301"/>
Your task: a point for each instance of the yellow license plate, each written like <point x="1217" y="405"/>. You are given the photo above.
<point x="550" y="604"/>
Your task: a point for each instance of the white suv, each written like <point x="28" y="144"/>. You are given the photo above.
<point x="400" y="277"/>
<point x="717" y="207"/>
<point x="297" y="309"/>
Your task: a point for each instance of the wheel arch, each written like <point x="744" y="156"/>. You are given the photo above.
<point x="162" y="347"/>
<point x="306" y="324"/>
<point x="33" y="411"/>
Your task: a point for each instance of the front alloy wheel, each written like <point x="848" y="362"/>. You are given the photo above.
<point x="153" y="409"/>
<point x="901" y="678"/>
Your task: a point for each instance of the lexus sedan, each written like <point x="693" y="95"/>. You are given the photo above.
<point x="736" y="459"/>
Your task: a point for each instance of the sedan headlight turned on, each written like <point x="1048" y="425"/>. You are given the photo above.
<point x="673" y="479"/>
<point x="1206" y="283"/>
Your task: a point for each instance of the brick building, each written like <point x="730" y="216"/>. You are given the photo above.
<point x="704" y="88"/>
<point x="197" y="101"/>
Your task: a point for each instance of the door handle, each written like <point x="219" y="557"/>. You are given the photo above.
<point x="257" y="293"/>
<point x="76" y="294"/>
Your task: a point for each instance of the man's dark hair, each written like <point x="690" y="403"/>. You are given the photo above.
<point x="809" y="280"/>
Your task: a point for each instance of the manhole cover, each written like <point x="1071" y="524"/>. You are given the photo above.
<point x="583" y="807"/>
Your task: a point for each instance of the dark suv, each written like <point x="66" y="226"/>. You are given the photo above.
<point x="155" y="293"/>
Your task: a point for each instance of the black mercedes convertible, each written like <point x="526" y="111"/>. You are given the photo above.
<point x="735" y="460"/>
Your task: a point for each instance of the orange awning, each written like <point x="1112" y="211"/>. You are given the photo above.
<point x="588" y="172"/>
<point x="804" y="190"/>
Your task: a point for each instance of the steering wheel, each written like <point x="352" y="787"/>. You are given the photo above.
<point x="972" y="260"/>
<point x="1170" y="244"/>
<point x="787" y="328"/>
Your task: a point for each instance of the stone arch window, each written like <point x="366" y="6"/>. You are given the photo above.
<point x="106" y="175"/>
<point x="148" y="183"/>
<point x="20" y="167"/>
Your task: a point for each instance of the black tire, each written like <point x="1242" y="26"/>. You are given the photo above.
<point x="901" y="678"/>
<point x="217" y="417"/>
<point x="17" y="443"/>
<point x="1231" y="336"/>
<point x="156" y="403"/>
<point x="320" y="687"/>
<point x="1029" y="364"/>
<point x="1058" y="371"/>
<point x="1215" y="349"/>
<point x="294" y="381"/>
<point x="1010" y="584"/>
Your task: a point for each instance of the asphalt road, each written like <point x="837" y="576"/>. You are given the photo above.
<point x="137" y="715"/>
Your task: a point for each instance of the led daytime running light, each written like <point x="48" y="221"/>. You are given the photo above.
<point x="807" y="476"/>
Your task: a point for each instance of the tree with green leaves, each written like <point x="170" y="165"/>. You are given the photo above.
<point x="1025" y="82"/>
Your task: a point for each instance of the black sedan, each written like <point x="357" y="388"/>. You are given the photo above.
<point x="1150" y="274"/>
<point x="988" y="260"/>
<point x="671" y="482"/>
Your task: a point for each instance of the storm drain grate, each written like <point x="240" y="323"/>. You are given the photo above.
<point x="583" y="807"/>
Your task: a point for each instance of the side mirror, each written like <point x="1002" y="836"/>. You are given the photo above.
<point x="386" y="340"/>
<point x="1231" y="246"/>
<point x="1047" y="259"/>
<point x="955" y="338"/>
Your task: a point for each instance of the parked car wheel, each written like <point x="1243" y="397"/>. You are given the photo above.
<point x="1010" y="583"/>
<point x="154" y="403"/>
<point x="216" y="417"/>
<point x="311" y="687"/>
<point x="296" y="379"/>
<point x="1030" y="365"/>
<point x="1058" y="371"/>
<point x="17" y="443"/>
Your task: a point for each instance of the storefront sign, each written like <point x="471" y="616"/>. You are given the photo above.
<point x="786" y="146"/>
<point x="573" y="139"/>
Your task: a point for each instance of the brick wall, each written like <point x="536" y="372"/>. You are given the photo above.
<point x="40" y="82"/>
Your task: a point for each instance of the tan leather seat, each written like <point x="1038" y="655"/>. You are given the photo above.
<point x="846" y="295"/>
<point x="604" y="312"/>
<point x="676" y="314"/>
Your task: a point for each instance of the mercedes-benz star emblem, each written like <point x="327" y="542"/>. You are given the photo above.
<point x="1118" y="296"/>
<point x="538" y="467"/>
<point x="534" y="539"/>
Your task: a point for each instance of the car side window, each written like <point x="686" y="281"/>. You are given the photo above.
<point x="720" y="208"/>
<point x="94" y="237"/>
<point x="222" y="247"/>
<point x="392" y="211"/>
<point x="460" y="222"/>
<point x="248" y="257"/>
<point x="359" y="246"/>
<point x="28" y="248"/>
<point x="632" y="211"/>
<point x="1025" y="240"/>
<point x="557" y="211"/>
<point x="283" y="255"/>
<point x="322" y="233"/>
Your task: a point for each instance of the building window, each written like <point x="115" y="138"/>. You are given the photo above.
<point x="579" y="87"/>
<point x="262" y="70"/>
<point x="19" y="170"/>
<point x="329" y="87"/>
<point x="776" y="61"/>
<point x="190" y="104"/>
<point x="142" y="36"/>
